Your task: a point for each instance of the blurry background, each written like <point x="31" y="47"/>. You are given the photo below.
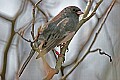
<point x="16" y="15"/>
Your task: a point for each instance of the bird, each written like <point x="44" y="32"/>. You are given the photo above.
<point x="58" y="30"/>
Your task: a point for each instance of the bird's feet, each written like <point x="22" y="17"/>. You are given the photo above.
<point x="57" y="53"/>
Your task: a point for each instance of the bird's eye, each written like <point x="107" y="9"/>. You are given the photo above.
<point x="74" y="10"/>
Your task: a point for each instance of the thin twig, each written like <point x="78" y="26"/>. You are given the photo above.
<point x="88" y="7"/>
<point x="23" y="37"/>
<point x="101" y="53"/>
<point x="40" y="10"/>
<point x="5" y="17"/>
<point x="33" y="21"/>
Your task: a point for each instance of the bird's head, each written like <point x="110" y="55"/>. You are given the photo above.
<point x="73" y="10"/>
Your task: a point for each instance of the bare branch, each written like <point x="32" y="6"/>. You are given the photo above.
<point x="6" y="52"/>
<point x="102" y="53"/>
<point x="88" y="7"/>
<point x="23" y="37"/>
<point x="6" y="17"/>
<point x="40" y="10"/>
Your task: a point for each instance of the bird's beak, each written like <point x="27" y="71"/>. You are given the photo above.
<point x="79" y="12"/>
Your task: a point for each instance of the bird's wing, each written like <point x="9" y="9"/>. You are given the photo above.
<point x="55" y="37"/>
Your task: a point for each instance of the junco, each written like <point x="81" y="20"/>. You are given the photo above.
<point x="57" y="31"/>
<point x="60" y="29"/>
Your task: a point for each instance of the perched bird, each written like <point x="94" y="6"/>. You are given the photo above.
<point x="58" y="30"/>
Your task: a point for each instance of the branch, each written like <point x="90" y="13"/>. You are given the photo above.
<point x="23" y="37"/>
<point x="88" y="7"/>
<point x="6" y="52"/>
<point x="33" y="21"/>
<point x="40" y="10"/>
<point x="6" y="17"/>
<point x="101" y="53"/>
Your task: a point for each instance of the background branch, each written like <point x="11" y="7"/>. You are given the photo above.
<point x="12" y="33"/>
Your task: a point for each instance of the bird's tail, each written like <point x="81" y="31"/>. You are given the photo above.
<point x="26" y="62"/>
